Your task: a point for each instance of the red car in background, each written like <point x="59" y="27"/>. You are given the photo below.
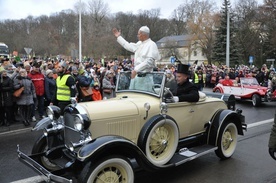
<point x="247" y="89"/>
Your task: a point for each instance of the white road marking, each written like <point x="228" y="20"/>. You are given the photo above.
<point x="35" y="179"/>
<point x="251" y="125"/>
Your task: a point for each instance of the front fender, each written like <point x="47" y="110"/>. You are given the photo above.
<point x="42" y="124"/>
<point x="109" y="145"/>
<point x="221" y="117"/>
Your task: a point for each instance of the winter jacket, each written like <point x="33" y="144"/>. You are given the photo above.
<point x="38" y="80"/>
<point x="28" y="95"/>
<point x="83" y="81"/>
<point x="50" y="88"/>
<point x="108" y="85"/>
<point x="6" y="92"/>
<point x="96" y="95"/>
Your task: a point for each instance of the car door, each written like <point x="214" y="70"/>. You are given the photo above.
<point x="183" y="114"/>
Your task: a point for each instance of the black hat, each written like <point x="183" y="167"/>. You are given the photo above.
<point x="182" y="68"/>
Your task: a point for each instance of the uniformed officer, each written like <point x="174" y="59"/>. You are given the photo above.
<point x="66" y="86"/>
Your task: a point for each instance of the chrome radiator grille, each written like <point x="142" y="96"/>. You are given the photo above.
<point x="71" y="135"/>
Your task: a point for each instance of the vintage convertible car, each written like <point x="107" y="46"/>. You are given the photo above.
<point x="108" y="140"/>
<point x="247" y="89"/>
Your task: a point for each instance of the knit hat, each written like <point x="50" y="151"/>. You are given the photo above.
<point x="48" y="72"/>
<point x="81" y="71"/>
<point x="2" y="70"/>
<point x="64" y="65"/>
<point x="74" y="68"/>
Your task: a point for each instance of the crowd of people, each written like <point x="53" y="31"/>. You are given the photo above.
<point x="45" y="82"/>
<point x="209" y="76"/>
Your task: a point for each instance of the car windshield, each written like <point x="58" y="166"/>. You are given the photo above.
<point x="151" y="83"/>
<point x="249" y="81"/>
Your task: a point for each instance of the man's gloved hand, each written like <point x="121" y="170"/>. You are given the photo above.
<point x="272" y="152"/>
<point x="176" y="98"/>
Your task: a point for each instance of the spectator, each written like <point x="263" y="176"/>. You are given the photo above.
<point x="232" y="74"/>
<point x="108" y="86"/>
<point x="170" y="80"/>
<point x="83" y="81"/>
<point x="27" y="67"/>
<point x="6" y="99"/>
<point x="198" y="79"/>
<point x="26" y="100"/>
<point x="50" y="87"/>
<point x="96" y="92"/>
<point x="38" y="80"/>
<point x="11" y="71"/>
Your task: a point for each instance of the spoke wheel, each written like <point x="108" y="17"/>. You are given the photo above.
<point x="227" y="140"/>
<point x="110" y="169"/>
<point x="159" y="140"/>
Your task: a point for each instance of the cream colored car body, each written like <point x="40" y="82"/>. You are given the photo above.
<point x="125" y="115"/>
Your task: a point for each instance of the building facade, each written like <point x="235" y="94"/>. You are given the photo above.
<point x="184" y="47"/>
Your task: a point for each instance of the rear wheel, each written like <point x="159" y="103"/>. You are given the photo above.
<point x="110" y="169"/>
<point x="256" y="100"/>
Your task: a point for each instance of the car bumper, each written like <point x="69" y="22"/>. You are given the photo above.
<point x="48" y="176"/>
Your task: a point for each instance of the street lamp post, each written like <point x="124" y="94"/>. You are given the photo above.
<point x="80" y="32"/>
<point x="228" y="39"/>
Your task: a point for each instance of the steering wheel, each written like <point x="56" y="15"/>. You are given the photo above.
<point x="154" y="86"/>
<point x="168" y="94"/>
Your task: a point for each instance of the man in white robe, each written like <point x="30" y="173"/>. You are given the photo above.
<point x="145" y="55"/>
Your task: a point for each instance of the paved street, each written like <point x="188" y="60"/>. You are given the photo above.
<point x="250" y="163"/>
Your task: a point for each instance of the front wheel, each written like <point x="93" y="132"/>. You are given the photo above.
<point x="227" y="140"/>
<point x="158" y="139"/>
<point x="40" y="147"/>
<point x="217" y="91"/>
<point x="256" y="100"/>
<point x="110" y="169"/>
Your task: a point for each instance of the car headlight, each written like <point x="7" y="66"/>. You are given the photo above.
<point x="53" y="112"/>
<point x="81" y="122"/>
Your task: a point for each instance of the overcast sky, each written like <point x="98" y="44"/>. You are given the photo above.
<point x="18" y="9"/>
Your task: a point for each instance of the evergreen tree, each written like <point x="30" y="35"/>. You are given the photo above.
<point x="219" y="53"/>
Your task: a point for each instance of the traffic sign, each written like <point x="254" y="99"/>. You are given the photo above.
<point x="270" y="60"/>
<point x="251" y="58"/>
<point x="172" y="59"/>
<point x="28" y="50"/>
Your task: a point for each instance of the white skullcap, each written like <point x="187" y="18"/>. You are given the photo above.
<point x="145" y="29"/>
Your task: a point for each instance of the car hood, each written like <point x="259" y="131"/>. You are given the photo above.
<point x="110" y="108"/>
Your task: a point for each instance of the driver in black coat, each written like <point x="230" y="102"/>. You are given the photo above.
<point x="186" y="91"/>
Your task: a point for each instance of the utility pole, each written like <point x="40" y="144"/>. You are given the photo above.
<point x="80" y="7"/>
<point x="228" y="39"/>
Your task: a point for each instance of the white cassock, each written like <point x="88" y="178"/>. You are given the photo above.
<point x="146" y="53"/>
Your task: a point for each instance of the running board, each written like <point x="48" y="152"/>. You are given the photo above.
<point x="184" y="155"/>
